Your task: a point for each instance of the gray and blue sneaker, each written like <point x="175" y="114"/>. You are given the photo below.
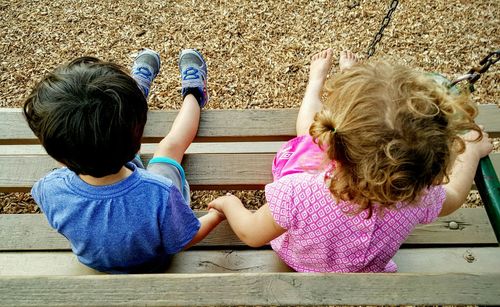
<point x="145" y="68"/>
<point x="193" y="69"/>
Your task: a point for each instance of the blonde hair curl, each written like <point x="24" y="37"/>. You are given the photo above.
<point x="392" y="131"/>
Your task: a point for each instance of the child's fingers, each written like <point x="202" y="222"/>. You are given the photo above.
<point x="212" y="205"/>
<point x="219" y="213"/>
<point x="473" y="135"/>
<point x="216" y="203"/>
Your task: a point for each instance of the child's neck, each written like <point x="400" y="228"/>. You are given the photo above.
<point x="109" y="179"/>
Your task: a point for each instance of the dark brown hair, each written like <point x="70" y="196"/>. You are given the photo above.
<point x="89" y="115"/>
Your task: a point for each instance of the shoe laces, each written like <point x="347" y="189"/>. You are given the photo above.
<point x="190" y="73"/>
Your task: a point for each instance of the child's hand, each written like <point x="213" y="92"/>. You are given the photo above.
<point x="220" y="215"/>
<point x="481" y="148"/>
<point x="220" y="202"/>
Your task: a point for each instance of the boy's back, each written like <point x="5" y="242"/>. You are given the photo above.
<point x="131" y="226"/>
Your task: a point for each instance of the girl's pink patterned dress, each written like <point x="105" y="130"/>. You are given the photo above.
<point x="320" y="237"/>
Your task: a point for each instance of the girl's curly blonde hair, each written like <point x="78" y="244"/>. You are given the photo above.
<point x="392" y="131"/>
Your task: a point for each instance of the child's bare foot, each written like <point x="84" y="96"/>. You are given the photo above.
<point x="347" y="59"/>
<point x="321" y="63"/>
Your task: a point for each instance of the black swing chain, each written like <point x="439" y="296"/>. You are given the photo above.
<point x="475" y="72"/>
<point x="385" y="22"/>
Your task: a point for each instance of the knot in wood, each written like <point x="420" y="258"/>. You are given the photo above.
<point x="469" y="257"/>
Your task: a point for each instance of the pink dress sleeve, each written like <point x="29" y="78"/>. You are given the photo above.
<point x="432" y="203"/>
<point x="279" y="196"/>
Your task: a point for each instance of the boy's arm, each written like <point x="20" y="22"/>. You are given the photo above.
<point x="208" y="222"/>
<point x="463" y="171"/>
<point x="253" y="228"/>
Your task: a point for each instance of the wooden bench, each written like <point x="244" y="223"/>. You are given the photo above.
<point x="455" y="260"/>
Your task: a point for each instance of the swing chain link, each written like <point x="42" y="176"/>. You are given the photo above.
<point x="385" y="23"/>
<point x="475" y="72"/>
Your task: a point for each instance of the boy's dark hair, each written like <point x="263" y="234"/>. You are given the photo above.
<point x="89" y="115"/>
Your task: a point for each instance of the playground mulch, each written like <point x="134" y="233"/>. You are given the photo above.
<point x="258" y="52"/>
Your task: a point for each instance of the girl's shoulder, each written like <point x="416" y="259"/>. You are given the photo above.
<point x="427" y="209"/>
<point x="303" y="185"/>
<point x="303" y="180"/>
<point x="432" y="196"/>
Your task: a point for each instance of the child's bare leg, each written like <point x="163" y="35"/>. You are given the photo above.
<point x="183" y="131"/>
<point x="321" y="64"/>
<point x="193" y="69"/>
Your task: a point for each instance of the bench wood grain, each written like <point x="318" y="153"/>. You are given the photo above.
<point x="409" y="260"/>
<point x="252" y="289"/>
<point x="204" y="171"/>
<point x="216" y="125"/>
<point x="24" y="232"/>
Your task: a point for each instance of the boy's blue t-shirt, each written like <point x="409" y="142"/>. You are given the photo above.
<point x="133" y="226"/>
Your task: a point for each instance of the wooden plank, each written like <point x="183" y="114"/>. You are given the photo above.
<point x="223" y="125"/>
<point x="32" y="232"/>
<point x="149" y="148"/>
<point x="252" y="289"/>
<point x="226" y="125"/>
<point x="448" y="260"/>
<point x="209" y="171"/>
<point x="474" y="227"/>
<point x="14" y="129"/>
<point x="203" y="171"/>
<point x="416" y="260"/>
<point x="196" y="261"/>
<point x="489" y="117"/>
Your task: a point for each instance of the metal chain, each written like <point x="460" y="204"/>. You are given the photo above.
<point x="475" y="72"/>
<point x="385" y="22"/>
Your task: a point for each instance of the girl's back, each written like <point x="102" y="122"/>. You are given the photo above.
<point x="321" y="237"/>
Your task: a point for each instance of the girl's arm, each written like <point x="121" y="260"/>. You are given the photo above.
<point x="208" y="222"/>
<point x="463" y="171"/>
<point x="253" y="228"/>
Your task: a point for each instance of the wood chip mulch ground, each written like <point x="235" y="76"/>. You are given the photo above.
<point x="257" y="51"/>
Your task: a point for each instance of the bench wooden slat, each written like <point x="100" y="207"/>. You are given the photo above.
<point x="474" y="227"/>
<point x="203" y="171"/>
<point x="209" y="171"/>
<point x="423" y="260"/>
<point x="32" y="232"/>
<point x="149" y="148"/>
<point x="252" y="289"/>
<point x="217" y="125"/>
